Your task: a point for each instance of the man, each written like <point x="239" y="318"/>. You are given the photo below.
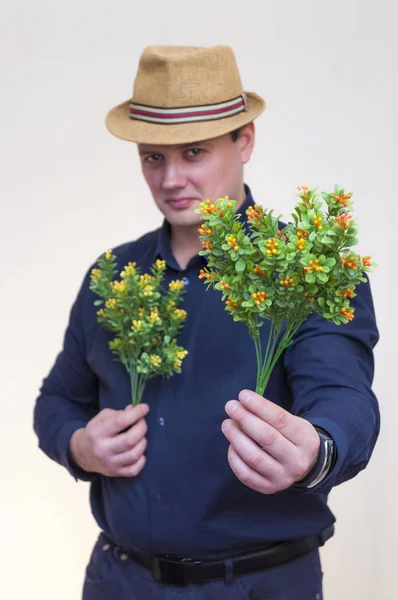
<point x="199" y="495"/>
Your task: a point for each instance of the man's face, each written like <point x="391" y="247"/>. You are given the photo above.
<point x="182" y="176"/>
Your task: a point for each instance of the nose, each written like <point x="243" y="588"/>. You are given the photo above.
<point x="174" y="177"/>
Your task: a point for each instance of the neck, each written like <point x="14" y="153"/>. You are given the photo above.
<point x="185" y="241"/>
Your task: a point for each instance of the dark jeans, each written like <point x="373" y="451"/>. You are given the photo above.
<point x="109" y="577"/>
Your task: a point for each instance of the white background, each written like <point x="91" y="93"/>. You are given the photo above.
<point x="69" y="190"/>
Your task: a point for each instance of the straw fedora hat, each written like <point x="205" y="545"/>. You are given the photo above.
<point x="184" y="94"/>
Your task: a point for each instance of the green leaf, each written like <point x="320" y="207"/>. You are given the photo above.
<point x="240" y="265"/>
<point x="310" y="277"/>
<point x="327" y="240"/>
<point x="351" y="241"/>
<point x="322" y="277"/>
<point x="98" y="302"/>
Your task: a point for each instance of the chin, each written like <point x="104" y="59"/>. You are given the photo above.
<point x="188" y="219"/>
<point x="183" y="217"/>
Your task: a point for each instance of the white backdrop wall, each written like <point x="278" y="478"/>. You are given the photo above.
<point x="69" y="190"/>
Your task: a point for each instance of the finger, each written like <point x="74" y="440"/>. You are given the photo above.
<point x="253" y="456"/>
<point x="126" y="441"/>
<point x="269" y="438"/>
<point x="247" y="475"/>
<point x="274" y="415"/>
<point x="124" y="459"/>
<point x="122" y="419"/>
<point x="132" y="470"/>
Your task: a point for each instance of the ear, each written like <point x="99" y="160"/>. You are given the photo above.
<point x="246" y="142"/>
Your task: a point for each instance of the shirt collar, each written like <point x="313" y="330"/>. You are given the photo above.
<point x="163" y="246"/>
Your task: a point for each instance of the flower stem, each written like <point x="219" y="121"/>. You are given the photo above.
<point x="133" y="382"/>
<point x="275" y="352"/>
<point x="257" y="343"/>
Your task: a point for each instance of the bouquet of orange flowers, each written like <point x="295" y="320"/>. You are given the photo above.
<point x="283" y="273"/>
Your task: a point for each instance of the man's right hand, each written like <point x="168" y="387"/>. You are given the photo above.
<point x="105" y="446"/>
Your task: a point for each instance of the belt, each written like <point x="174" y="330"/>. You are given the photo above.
<point x="180" y="571"/>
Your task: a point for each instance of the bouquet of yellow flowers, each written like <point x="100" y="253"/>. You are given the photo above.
<point x="145" y="319"/>
<point x="283" y="274"/>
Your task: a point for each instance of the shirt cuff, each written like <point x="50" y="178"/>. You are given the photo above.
<point x="66" y="459"/>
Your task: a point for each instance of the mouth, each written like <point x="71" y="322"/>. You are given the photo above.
<point x="180" y="203"/>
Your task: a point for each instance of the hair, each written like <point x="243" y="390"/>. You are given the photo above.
<point x="235" y="134"/>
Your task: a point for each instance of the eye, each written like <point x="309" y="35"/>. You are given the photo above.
<point x="153" y="158"/>
<point x="194" y="152"/>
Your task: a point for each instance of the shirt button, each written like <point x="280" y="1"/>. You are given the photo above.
<point x="106" y="547"/>
<point x="185" y="280"/>
<point x="123" y="556"/>
<point x="161" y="421"/>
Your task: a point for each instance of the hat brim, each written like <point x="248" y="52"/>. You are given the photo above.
<point x="118" y="122"/>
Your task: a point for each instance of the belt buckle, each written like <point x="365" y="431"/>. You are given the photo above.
<point x="172" y="571"/>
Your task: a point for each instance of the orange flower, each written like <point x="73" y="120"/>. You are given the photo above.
<point x="288" y="282"/>
<point x="204" y="275"/>
<point x="366" y="261"/>
<point x="272" y="245"/>
<point x="342" y="199"/>
<point x="207" y="245"/>
<point x="344" y="220"/>
<point x="349" y="261"/>
<point x="254" y="212"/>
<point x="348" y="293"/>
<point x="259" y="297"/>
<point x="233" y="242"/>
<point x="347" y="313"/>
<point x="230" y="302"/>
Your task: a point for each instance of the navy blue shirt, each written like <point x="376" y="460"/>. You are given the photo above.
<point x="187" y="501"/>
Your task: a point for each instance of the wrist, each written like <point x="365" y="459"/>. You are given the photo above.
<point x="324" y="462"/>
<point x="77" y="449"/>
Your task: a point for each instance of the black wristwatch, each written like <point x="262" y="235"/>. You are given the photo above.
<point x="328" y="456"/>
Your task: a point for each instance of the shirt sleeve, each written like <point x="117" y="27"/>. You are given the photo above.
<point x="330" y="371"/>
<point x="68" y="396"/>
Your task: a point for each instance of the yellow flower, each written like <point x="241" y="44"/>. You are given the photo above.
<point x="148" y="290"/>
<point x="111" y="303"/>
<point x="137" y="325"/>
<point x="100" y="312"/>
<point x="154" y="316"/>
<point x="128" y="270"/>
<point x="95" y="273"/>
<point x="177" y="363"/>
<point x="108" y="254"/>
<point x="182" y="354"/>
<point x="119" y="286"/>
<point x="170" y="305"/>
<point x="155" y="360"/>
<point x="176" y="285"/>
<point x="160" y="265"/>
<point x="141" y="312"/>
<point x="145" y="279"/>
<point x="179" y="313"/>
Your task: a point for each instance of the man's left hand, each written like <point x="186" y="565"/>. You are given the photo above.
<point x="270" y="449"/>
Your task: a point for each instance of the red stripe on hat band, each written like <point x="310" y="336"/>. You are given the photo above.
<point x="196" y="113"/>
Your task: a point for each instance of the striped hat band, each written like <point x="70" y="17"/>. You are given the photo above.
<point x="188" y="114"/>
